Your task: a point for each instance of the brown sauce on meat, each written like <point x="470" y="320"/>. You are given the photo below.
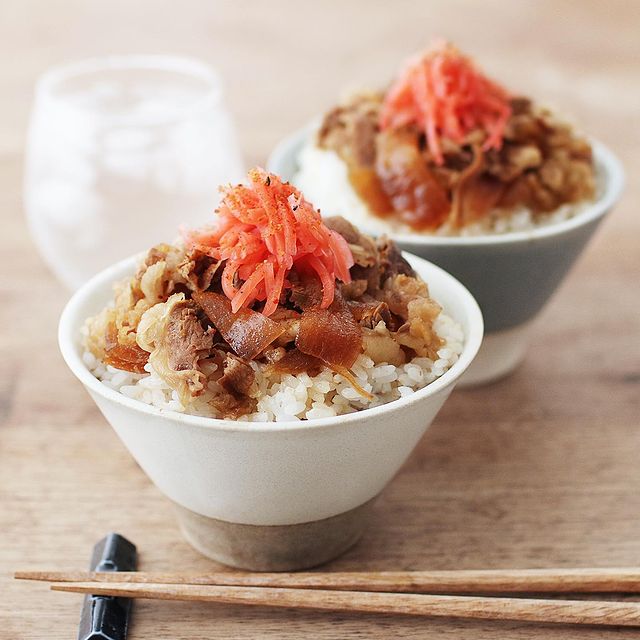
<point x="367" y="185"/>
<point x="247" y="332"/>
<point x="416" y="196"/>
<point x="402" y="186"/>
<point x="129" y="357"/>
<point x="331" y="335"/>
<point x="295" y="362"/>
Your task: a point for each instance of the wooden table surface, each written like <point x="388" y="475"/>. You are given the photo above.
<point x="540" y="470"/>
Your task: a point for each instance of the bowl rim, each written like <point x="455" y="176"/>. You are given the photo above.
<point x="68" y="334"/>
<point x="184" y="65"/>
<point x="603" y="156"/>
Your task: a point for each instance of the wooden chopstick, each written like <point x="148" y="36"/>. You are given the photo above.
<point x="463" y="581"/>
<point x="487" y="608"/>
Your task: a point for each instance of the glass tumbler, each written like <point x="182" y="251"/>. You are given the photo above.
<point x="122" y="151"/>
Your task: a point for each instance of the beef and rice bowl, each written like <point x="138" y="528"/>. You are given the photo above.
<point x="271" y="314"/>
<point x="446" y="150"/>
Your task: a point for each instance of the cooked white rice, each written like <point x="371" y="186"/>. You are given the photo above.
<point x="323" y="178"/>
<point x="286" y="397"/>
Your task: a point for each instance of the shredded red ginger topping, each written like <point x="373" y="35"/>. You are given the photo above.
<point x="263" y="230"/>
<point x="443" y="92"/>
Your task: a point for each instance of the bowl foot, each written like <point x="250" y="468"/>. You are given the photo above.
<point x="274" y="548"/>
<point x="500" y="353"/>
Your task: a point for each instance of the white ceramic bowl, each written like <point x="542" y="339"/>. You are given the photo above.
<point x="271" y="496"/>
<point x="511" y="275"/>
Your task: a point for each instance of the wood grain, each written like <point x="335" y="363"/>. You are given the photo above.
<point x="539" y="470"/>
<point x="463" y="581"/>
<point x="403" y="604"/>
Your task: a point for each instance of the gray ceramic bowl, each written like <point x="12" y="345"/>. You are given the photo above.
<point x="511" y="275"/>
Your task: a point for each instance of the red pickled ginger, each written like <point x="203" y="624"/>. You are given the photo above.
<point x="444" y="93"/>
<point x="264" y="229"/>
